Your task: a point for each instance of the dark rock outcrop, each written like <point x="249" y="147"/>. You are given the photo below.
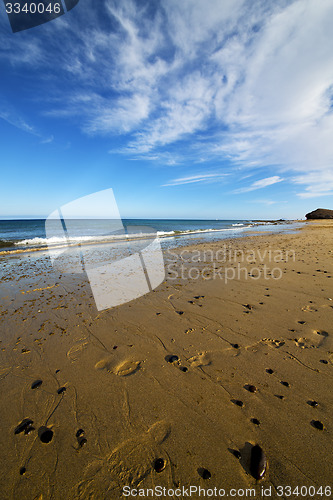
<point x="320" y="213"/>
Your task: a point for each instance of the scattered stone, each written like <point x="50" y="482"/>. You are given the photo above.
<point x="258" y="462"/>
<point x="23" y="426"/>
<point x="36" y="384"/>
<point x="317" y="424"/>
<point x="238" y="402"/>
<point x="159" y="464"/>
<point x="171" y="358"/>
<point x="204" y="473"/>
<point x="82" y="441"/>
<point x="251" y="388"/>
<point x="45" y="435"/>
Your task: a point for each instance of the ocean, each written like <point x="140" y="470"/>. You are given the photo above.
<point x="22" y="235"/>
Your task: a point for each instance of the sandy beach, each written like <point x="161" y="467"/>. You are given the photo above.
<point x="173" y="389"/>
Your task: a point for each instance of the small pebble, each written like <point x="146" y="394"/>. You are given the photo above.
<point x="270" y="371"/>
<point x="286" y="384"/>
<point x="23" y="470"/>
<point x="23" y="426"/>
<point x="82" y="441"/>
<point x="159" y="464"/>
<point x="205" y="474"/>
<point x="36" y="384"/>
<point x="313" y="403"/>
<point x="251" y="388"/>
<point x="317" y="424"/>
<point x="61" y="390"/>
<point x="324" y="361"/>
<point x="258" y="462"/>
<point x="184" y="369"/>
<point x="172" y="358"/>
<point x="238" y="402"/>
<point x="45" y="435"/>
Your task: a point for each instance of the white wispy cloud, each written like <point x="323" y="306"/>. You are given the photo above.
<point x="201" y="178"/>
<point x="260" y="184"/>
<point x="12" y="117"/>
<point x="317" y="184"/>
<point x="267" y="202"/>
<point x="48" y="140"/>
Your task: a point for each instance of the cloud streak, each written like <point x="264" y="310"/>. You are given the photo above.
<point x="199" y="178"/>
<point x="260" y="184"/>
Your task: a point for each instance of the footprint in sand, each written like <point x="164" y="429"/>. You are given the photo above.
<point x="303" y="343"/>
<point x="122" y="369"/>
<point x="309" y="308"/>
<point x="315" y="339"/>
<point x="274" y="342"/>
<point x="129" y="464"/>
<point x="323" y="339"/>
<point x="201" y="359"/>
<point x="76" y="350"/>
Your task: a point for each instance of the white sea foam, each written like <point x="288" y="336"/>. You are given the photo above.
<point x="62" y="240"/>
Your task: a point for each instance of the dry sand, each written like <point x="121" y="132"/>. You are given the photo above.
<point x="122" y="404"/>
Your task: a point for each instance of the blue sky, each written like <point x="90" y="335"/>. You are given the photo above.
<point x="191" y="109"/>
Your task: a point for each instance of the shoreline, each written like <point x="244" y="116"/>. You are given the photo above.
<point x="11" y="250"/>
<point x="133" y="404"/>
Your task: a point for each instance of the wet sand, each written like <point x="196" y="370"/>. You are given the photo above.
<point x="176" y="387"/>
